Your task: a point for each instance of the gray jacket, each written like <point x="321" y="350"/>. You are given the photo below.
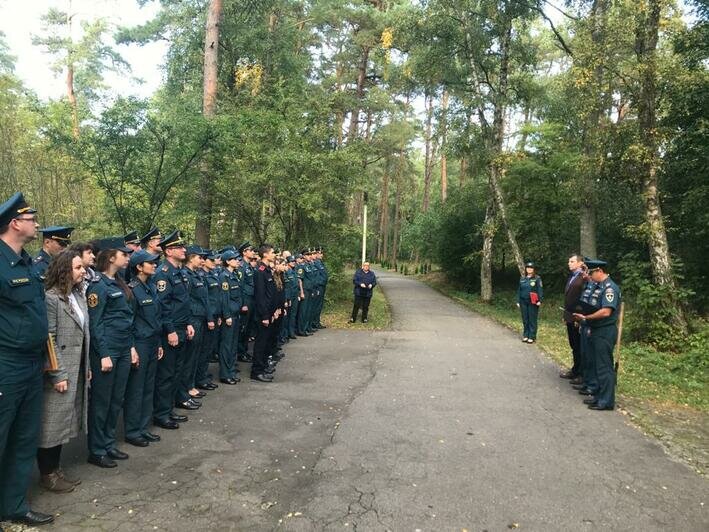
<point x="64" y="414"/>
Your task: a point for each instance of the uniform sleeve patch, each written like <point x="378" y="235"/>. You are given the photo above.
<point x="225" y="286"/>
<point x="162" y="285"/>
<point x="610" y="296"/>
<point x="92" y="300"/>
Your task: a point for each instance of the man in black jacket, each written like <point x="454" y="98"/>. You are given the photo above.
<point x="265" y="305"/>
<point x="364" y="282"/>
<point x="574" y="286"/>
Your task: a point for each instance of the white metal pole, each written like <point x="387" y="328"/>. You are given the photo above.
<point x="364" y="234"/>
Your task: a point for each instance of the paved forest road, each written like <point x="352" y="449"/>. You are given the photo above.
<point x="448" y="422"/>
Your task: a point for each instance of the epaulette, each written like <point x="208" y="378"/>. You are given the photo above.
<point x="134" y="283"/>
<point x="38" y="259"/>
<point x="165" y="268"/>
<point x="95" y="279"/>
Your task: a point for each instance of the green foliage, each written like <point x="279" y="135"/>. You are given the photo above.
<point x="652" y="308"/>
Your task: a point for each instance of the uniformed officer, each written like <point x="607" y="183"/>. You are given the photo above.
<point x="274" y="353"/>
<point x="292" y="295"/>
<point x="111" y="353"/>
<point x="173" y="292"/>
<point x="587" y="304"/>
<point x="603" y="327"/>
<point x="530" y="293"/>
<point x="264" y="312"/>
<point x="296" y="297"/>
<point x="306" y="306"/>
<point x="232" y="303"/>
<point x="202" y="320"/>
<point x="132" y="241"/>
<point x="211" y="336"/>
<point x="150" y="241"/>
<point x="300" y="316"/>
<point x="23" y="340"/>
<point x="54" y="240"/>
<point x="147" y="332"/>
<point x="246" y="277"/>
<point x="322" y="286"/>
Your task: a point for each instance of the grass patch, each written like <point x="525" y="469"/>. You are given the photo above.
<point x="338" y="305"/>
<point x="674" y="379"/>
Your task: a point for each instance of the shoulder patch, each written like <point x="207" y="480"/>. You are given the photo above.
<point x="92" y="300"/>
<point x="225" y="286"/>
<point x="300" y="271"/>
<point x="162" y="285"/>
<point x="610" y="295"/>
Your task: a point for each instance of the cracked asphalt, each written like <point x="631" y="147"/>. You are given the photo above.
<point x="446" y="422"/>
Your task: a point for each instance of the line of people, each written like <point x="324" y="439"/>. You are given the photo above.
<point x="592" y="301"/>
<point x="130" y="335"/>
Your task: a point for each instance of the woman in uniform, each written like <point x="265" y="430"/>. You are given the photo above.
<point x="529" y="298"/>
<point x="147" y="332"/>
<point x="112" y="351"/>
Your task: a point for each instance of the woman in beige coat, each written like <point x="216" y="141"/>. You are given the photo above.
<point x="66" y="389"/>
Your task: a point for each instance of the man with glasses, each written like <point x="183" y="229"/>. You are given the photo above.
<point x="23" y="343"/>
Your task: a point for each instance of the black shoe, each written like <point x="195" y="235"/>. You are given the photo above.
<point x="321" y="326"/>
<point x="590" y="401"/>
<point x="206" y="387"/>
<point x="599" y="407"/>
<point x="244" y="358"/>
<point x="117" y="455"/>
<point x="187" y="405"/>
<point x="262" y="377"/>
<point x="199" y="395"/>
<point x="585" y="391"/>
<point x="101" y="461"/>
<point x="566" y="375"/>
<point x="579" y="386"/>
<point x="33" y="518"/>
<point x="365" y="320"/>
<point x="179" y="418"/>
<point x="138" y="442"/>
<point x="292" y="337"/>
<point x="576" y="380"/>
<point x="302" y="334"/>
<point x="214" y="359"/>
<point x="151" y="437"/>
<point x="228" y="381"/>
<point x="170" y="424"/>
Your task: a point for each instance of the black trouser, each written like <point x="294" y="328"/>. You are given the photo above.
<point x="48" y="459"/>
<point x="262" y="346"/>
<point x="572" y="331"/>
<point x="363" y="303"/>
<point x="169" y="369"/>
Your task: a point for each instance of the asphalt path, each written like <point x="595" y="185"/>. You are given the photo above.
<point x="445" y="422"/>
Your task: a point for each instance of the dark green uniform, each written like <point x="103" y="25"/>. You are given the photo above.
<point x="232" y="302"/>
<point x="247" y="327"/>
<point x="173" y="291"/>
<point x="530" y="311"/>
<point x="211" y="336"/>
<point x="201" y="314"/>
<point x="322" y="277"/>
<point x="111" y="327"/>
<point x="306" y="306"/>
<point x="290" y="280"/>
<point x="603" y="335"/>
<point x="23" y="338"/>
<point x="41" y="263"/>
<point x="147" y="333"/>
<point x="588" y="304"/>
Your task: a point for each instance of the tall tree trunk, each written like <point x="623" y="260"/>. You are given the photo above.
<point x="587" y="214"/>
<point x="359" y="94"/>
<point x="70" y="94"/>
<point x="384" y="214"/>
<point x="444" y="140"/>
<point x="488" y="230"/>
<point x="497" y="165"/>
<point x="203" y="224"/>
<point x="428" y="163"/>
<point x="647" y="28"/>
<point x="397" y="210"/>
